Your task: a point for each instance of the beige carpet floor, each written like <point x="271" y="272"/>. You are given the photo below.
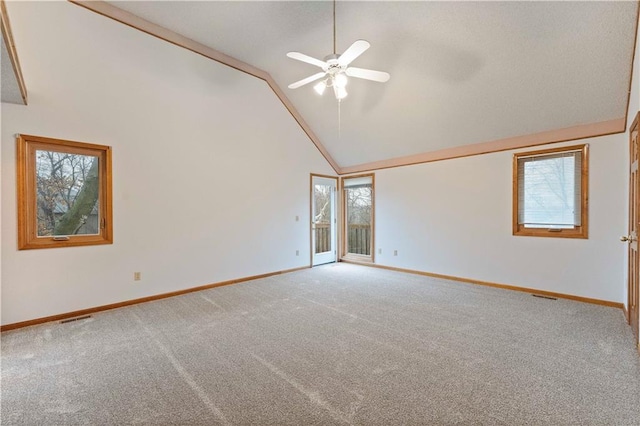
<point x="337" y="344"/>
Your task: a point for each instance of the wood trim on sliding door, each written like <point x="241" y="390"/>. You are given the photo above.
<point x="343" y="218"/>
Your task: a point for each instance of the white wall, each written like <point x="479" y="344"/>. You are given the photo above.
<point x="454" y="217"/>
<point x="209" y="169"/>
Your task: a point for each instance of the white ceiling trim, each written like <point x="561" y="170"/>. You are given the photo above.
<point x="11" y="50"/>
<point x="124" y="17"/>
<point x="553" y="136"/>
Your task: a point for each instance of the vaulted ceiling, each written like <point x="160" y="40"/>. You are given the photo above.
<point x="463" y="74"/>
<point x="12" y="88"/>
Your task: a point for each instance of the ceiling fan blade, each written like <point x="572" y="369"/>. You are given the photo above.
<point x="379" y="76"/>
<point x="356" y="49"/>
<point x="306" y="80"/>
<point x="308" y="59"/>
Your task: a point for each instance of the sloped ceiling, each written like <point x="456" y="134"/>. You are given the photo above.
<point x="12" y="87"/>
<point x="462" y="73"/>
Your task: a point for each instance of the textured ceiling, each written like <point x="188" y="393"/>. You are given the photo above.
<point x="461" y="72"/>
<point x="10" y="88"/>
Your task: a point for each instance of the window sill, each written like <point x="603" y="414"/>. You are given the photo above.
<point x="551" y="233"/>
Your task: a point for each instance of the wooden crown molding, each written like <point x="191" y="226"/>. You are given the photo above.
<point x="633" y="56"/>
<point x="583" y="131"/>
<point x="11" y="49"/>
<point x="133" y="21"/>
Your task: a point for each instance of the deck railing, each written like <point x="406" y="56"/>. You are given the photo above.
<point x="358" y="238"/>
<point x="323" y="237"/>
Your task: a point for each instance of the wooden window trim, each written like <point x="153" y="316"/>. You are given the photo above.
<point x="343" y="214"/>
<point x="576" y="232"/>
<point x="27" y="210"/>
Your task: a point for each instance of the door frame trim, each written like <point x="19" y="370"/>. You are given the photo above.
<point x="344" y="252"/>
<point x="335" y="228"/>
<point x="627" y="308"/>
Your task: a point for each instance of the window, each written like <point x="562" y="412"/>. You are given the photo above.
<point x="550" y="192"/>
<point x="64" y="193"/>
<point x="358" y="211"/>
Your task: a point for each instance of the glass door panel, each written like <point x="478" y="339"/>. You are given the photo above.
<point x="358" y="200"/>
<point x="323" y="220"/>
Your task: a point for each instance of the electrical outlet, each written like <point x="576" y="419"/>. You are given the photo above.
<point x="137" y="276"/>
<point x="395" y="252"/>
<point x="297" y="252"/>
<point x="297" y="218"/>
<point x="379" y="251"/>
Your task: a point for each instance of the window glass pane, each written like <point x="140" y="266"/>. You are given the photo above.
<point x="67" y="196"/>
<point x="549" y="191"/>
<point x="359" y="203"/>
<point x="322" y="220"/>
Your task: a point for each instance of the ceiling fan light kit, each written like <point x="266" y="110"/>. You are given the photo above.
<point x="336" y="68"/>
<point x="337" y="71"/>
<point x="320" y="87"/>
<point x="337" y="81"/>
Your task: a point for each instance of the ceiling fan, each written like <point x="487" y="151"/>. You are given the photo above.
<point x="336" y="67"/>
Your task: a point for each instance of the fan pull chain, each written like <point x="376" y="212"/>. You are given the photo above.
<point x="339" y="120"/>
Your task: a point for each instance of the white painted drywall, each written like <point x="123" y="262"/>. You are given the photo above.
<point x="454" y="217"/>
<point x="209" y="169"/>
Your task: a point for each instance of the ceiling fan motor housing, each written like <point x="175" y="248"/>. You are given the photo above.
<point x="336" y="68"/>
<point x="332" y="64"/>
